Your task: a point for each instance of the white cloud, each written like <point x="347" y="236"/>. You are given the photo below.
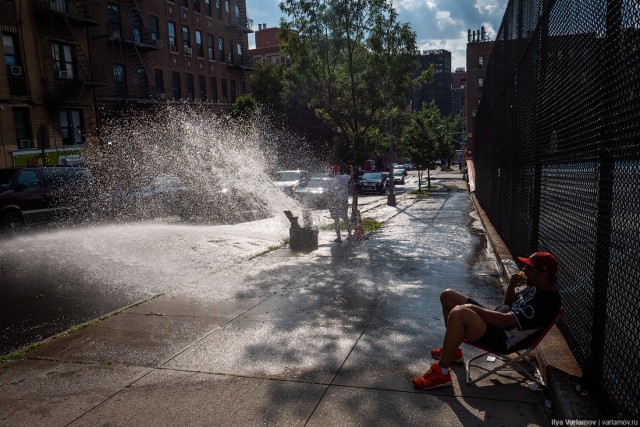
<point x="444" y="20"/>
<point x="457" y="46"/>
<point x="490" y="7"/>
<point x="415" y="4"/>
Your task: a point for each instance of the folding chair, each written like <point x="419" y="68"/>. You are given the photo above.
<point x="517" y="363"/>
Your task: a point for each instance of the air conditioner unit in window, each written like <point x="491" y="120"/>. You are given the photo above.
<point x="159" y="43"/>
<point x="16" y="70"/>
<point x="188" y="50"/>
<point x="62" y="74"/>
<point x="24" y="143"/>
<point x="114" y="34"/>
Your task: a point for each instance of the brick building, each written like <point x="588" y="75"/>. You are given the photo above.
<point x="66" y="60"/>
<point x="478" y="52"/>
<point x="267" y="50"/>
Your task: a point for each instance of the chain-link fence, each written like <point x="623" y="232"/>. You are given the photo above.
<point x="557" y="158"/>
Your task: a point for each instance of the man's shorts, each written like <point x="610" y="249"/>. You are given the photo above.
<point x="494" y="338"/>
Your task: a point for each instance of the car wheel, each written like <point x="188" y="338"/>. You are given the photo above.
<point x="11" y="222"/>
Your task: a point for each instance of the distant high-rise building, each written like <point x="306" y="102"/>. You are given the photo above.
<point x="439" y="90"/>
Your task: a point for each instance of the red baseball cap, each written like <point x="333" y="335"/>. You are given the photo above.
<point x="542" y="261"/>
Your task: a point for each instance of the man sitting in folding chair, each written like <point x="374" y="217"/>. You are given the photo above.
<point x="523" y="317"/>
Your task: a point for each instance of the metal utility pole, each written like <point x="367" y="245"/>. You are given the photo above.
<point x="391" y="198"/>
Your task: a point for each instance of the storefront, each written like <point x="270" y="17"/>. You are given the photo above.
<point x="59" y="156"/>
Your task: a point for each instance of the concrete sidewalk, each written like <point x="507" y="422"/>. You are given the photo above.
<point x="330" y="337"/>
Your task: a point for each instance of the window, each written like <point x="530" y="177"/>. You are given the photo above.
<point x="199" y="47"/>
<point x="159" y="82"/>
<point x="177" y="92"/>
<point x="480" y="81"/>
<point x="219" y="8"/>
<point x="113" y="14"/>
<point x="226" y="6"/>
<point x="155" y="27"/>
<point x="137" y="27"/>
<point x="196" y="5"/>
<point x="202" y="88"/>
<point x="223" y="84"/>
<point x="10" y="49"/>
<point x="30" y="179"/>
<point x="120" y="80"/>
<point x="221" y="49"/>
<point x="22" y="124"/>
<point x="238" y="14"/>
<point x="480" y="61"/>
<point x="207" y="7"/>
<point x="62" y="60"/>
<point x="185" y="3"/>
<point x="172" y="37"/>
<point x="186" y="37"/>
<point x="230" y="52"/>
<point x="239" y="52"/>
<point x="243" y="87"/>
<point x="71" y="124"/>
<point x="210" y="47"/>
<point x="214" y="89"/>
<point x="190" y="92"/>
<point x="233" y="90"/>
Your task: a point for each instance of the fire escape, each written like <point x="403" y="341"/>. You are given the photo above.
<point x="139" y="40"/>
<point x="240" y="25"/>
<point x="69" y="73"/>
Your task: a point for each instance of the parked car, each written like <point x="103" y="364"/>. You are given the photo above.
<point x="398" y="176"/>
<point x="146" y="196"/>
<point x="221" y="202"/>
<point x="373" y="182"/>
<point x="315" y="193"/>
<point x="41" y="194"/>
<point x="401" y="168"/>
<point x="289" y="179"/>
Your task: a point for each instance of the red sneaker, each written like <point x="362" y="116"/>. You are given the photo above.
<point x="433" y="378"/>
<point x="457" y="356"/>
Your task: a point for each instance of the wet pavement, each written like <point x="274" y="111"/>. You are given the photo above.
<point x="329" y="337"/>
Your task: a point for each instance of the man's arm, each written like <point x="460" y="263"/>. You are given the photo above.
<point x="510" y="294"/>
<point x="495" y="318"/>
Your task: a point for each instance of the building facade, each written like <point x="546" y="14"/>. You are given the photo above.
<point x="478" y="53"/>
<point x="267" y="50"/>
<point x="70" y="63"/>
<point x="439" y="90"/>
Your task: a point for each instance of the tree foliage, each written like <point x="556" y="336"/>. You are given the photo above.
<point x="425" y="138"/>
<point x="352" y="63"/>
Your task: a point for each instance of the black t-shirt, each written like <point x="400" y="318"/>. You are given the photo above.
<point x="534" y="310"/>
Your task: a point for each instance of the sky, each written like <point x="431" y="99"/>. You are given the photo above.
<point x="439" y="24"/>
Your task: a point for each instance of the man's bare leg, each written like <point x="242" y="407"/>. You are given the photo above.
<point x="450" y="298"/>
<point x="462" y="322"/>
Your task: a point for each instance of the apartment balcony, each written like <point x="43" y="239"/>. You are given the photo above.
<point x="244" y="62"/>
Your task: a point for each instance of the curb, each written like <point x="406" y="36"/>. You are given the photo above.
<point x="557" y="365"/>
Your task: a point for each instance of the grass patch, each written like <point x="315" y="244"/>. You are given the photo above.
<point x="271" y="249"/>
<point x="369" y="225"/>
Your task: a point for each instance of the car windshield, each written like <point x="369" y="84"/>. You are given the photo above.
<point x="287" y="176"/>
<point x="5" y="178"/>
<point x="372" y="175"/>
<point x="398" y="172"/>
<point x="318" y="183"/>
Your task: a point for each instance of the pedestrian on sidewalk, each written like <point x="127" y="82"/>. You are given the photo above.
<point x="339" y="206"/>
<point x="519" y="321"/>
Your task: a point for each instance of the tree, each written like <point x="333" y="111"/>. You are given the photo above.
<point x="352" y="61"/>
<point x="423" y="138"/>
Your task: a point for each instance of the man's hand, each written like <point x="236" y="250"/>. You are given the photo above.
<point x="514" y="281"/>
